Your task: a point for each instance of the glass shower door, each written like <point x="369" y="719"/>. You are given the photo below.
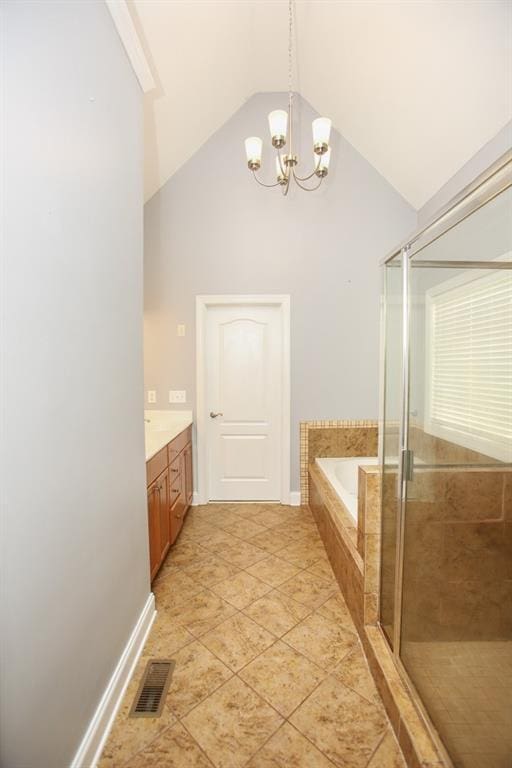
<point x="456" y="599"/>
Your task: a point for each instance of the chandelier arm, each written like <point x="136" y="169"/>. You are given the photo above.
<point x="306" y="189"/>
<point x="306" y="178"/>
<point x="283" y="171"/>
<point x="262" y="183"/>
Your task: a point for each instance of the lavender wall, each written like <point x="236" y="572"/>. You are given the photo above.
<point x="211" y="229"/>
<point x="74" y="548"/>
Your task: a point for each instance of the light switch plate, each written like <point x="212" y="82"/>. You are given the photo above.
<point x="181" y="329"/>
<point x="151" y="396"/>
<point x="177" y="396"/>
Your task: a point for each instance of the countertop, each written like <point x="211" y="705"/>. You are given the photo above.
<point x="163" y="427"/>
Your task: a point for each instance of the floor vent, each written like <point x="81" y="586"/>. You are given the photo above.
<point x="153" y="688"/>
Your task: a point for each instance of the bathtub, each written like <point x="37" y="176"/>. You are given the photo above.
<point x="343" y="476"/>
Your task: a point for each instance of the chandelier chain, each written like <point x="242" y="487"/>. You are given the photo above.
<point x="290" y="40"/>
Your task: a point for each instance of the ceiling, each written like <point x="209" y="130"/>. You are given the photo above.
<point x="416" y="87"/>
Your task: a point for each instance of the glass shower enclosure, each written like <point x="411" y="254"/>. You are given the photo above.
<point x="446" y="450"/>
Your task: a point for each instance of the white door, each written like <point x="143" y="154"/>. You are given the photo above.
<point x="244" y="345"/>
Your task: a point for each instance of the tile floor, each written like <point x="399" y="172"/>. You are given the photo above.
<point x="269" y="669"/>
<point x="466" y="686"/>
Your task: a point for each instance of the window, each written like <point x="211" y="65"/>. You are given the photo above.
<point x="469" y="362"/>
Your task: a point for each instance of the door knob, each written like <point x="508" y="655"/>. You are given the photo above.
<point x="214" y="415"/>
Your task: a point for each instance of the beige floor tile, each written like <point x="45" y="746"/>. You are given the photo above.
<point x="175" y="748"/>
<point x="175" y="587"/>
<point x="184" y="553"/>
<point x="210" y="570"/>
<point x="232" y="724"/>
<point x="288" y="748"/>
<point x="128" y="736"/>
<point x="323" y="568"/>
<point x="241" y="590"/>
<point x="336" y="609"/>
<point x="354" y="673"/>
<point x="271" y="541"/>
<point x="237" y="641"/>
<point x="268" y="518"/>
<point x="166" y="637"/>
<point x="273" y="570"/>
<point x="321" y="640"/>
<point x="244" y="528"/>
<point x="227" y="518"/>
<point x="387" y="754"/>
<point x="346" y="727"/>
<point x="195" y="531"/>
<point x="283" y="677"/>
<point x="246" y="510"/>
<point x="277" y="612"/>
<point x="218" y="539"/>
<point x="196" y="675"/>
<point x="302" y="553"/>
<point x="201" y="613"/>
<point x="243" y="553"/>
<point x="308" y="589"/>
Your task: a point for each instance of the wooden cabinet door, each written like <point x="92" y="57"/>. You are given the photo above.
<point x="164" y="508"/>
<point x="154" y="529"/>
<point x="177" y="506"/>
<point x="189" y="476"/>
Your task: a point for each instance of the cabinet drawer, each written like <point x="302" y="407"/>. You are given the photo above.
<point x="156" y="465"/>
<point x="174" y="469"/>
<point x="175" y="489"/>
<point x="177" y="445"/>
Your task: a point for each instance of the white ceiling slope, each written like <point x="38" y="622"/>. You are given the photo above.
<point x="417" y="86"/>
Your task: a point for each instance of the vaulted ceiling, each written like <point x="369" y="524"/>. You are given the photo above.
<point x="416" y="86"/>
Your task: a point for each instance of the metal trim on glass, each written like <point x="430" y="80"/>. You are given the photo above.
<point x="403" y="448"/>
<point x="492" y="182"/>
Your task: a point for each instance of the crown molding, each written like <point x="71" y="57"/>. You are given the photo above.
<point x="123" y="22"/>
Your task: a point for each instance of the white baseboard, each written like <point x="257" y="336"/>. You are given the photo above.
<point x="293" y="499"/>
<point x="95" y="737"/>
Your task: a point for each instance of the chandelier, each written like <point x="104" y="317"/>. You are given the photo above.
<point x="280" y="124"/>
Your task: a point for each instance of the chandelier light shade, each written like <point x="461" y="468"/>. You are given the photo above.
<point x="280" y="125"/>
<point x="323" y="164"/>
<point x="253" y="151"/>
<point x="321" y="134"/>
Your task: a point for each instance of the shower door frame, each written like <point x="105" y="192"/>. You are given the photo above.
<point x="491" y="183"/>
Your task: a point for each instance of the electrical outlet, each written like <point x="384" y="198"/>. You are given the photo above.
<point x="151" y="396"/>
<point x="181" y="329"/>
<point x="177" y="396"/>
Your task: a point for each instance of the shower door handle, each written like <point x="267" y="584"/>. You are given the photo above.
<point x="408" y="465"/>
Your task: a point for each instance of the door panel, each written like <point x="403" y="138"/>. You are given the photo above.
<point x="244" y="361"/>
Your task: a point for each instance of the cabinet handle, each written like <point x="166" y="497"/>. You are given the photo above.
<point x="173" y="469"/>
<point x="178" y="516"/>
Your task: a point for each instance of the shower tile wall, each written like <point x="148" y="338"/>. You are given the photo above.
<point x="458" y="555"/>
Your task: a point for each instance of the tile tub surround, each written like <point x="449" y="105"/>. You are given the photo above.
<point x="160" y="427"/>
<point x="354" y="553"/>
<point x="270" y="672"/>
<point x="336" y="439"/>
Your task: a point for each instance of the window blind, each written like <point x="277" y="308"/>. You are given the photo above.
<point x="470" y="388"/>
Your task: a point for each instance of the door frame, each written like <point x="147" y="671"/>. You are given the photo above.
<point x="282" y="301"/>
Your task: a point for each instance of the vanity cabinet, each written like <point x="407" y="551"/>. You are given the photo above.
<point x="169" y="475"/>
<point x="158" y="521"/>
